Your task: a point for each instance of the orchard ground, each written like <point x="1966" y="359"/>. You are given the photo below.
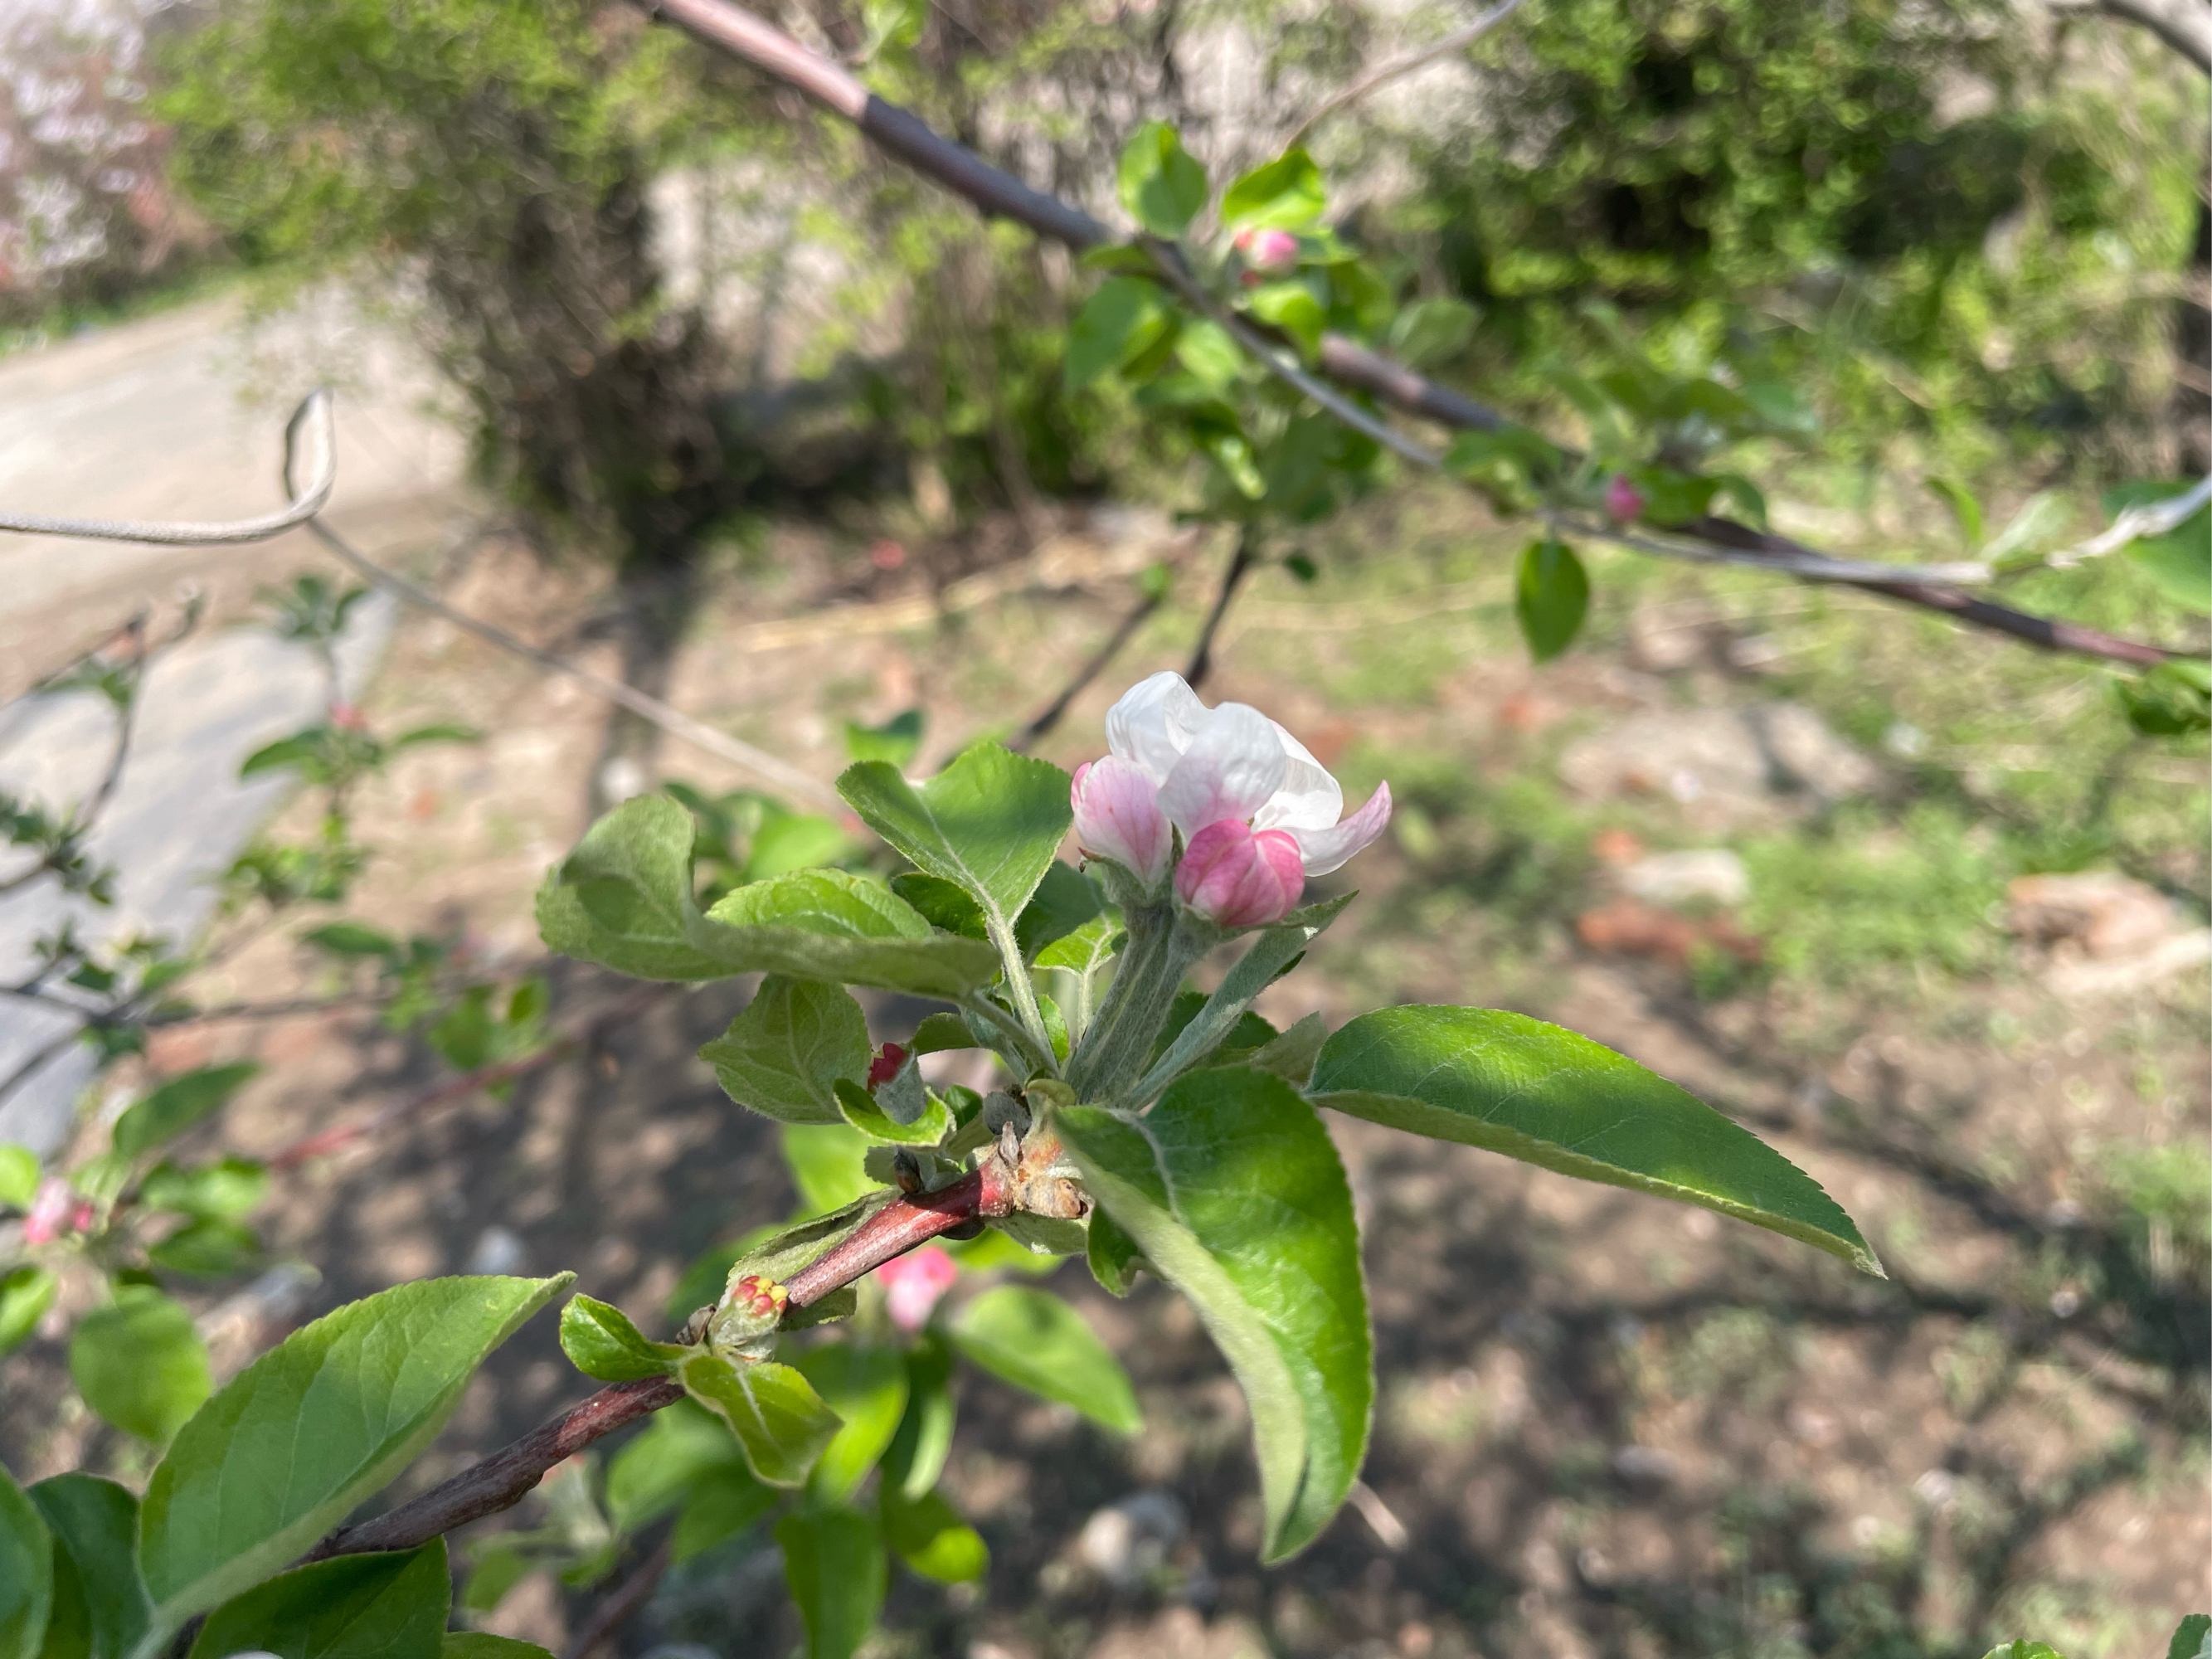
<point x="1607" y="1424"/>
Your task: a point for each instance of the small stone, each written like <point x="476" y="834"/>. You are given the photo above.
<point x="1129" y="1540"/>
<point x="1645" y="1463"/>
<point x="498" y="1253"/>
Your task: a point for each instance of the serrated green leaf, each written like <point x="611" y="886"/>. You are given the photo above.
<point x="784" y="1054"/>
<point x="1291" y="307"/>
<point x="1549" y="1097"/>
<point x="600" y="1342"/>
<point x="351" y="1607"/>
<point x="1034" y="1341"/>
<point x="210" y="1248"/>
<point x="722" y="1504"/>
<point x="139" y="1362"/>
<point x="1125" y="316"/>
<point x="834" y="1567"/>
<point x="1159" y="182"/>
<point x="309" y="1430"/>
<point x="624" y="899"/>
<point x="866" y="1385"/>
<point x="895" y="742"/>
<point x="228" y="1189"/>
<point x="1550" y="597"/>
<point x="101" y="1607"/>
<point x="779" y="1421"/>
<point x="2192" y="1637"/>
<point x="26" y="1293"/>
<point x="1285" y="194"/>
<point x="177" y="1105"/>
<point x="916" y="1457"/>
<point x="1232" y="1189"/>
<point x="864" y="1113"/>
<point x="27" y="1573"/>
<point x="930" y="1536"/>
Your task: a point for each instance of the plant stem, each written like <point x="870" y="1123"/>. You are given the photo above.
<point x="1020" y="992"/>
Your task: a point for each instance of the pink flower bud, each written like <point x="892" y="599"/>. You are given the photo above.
<point x="348" y="717"/>
<point x="1267" y="250"/>
<point x="914" y="1282"/>
<point x="1624" y="501"/>
<point x="1118" y="816"/>
<point x="50" y="1212"/>
<point x="885" y="1065"/>
<point x="1240" y="877"/>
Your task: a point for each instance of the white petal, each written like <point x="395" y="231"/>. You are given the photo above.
<point x="1324" y="849"/>
<point x="1154" y="722"/>
<point x="1309" y="799"/>
<point x="1231" y="768"/>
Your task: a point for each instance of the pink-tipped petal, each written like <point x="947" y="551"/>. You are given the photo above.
<point x="1233" y="768"/>
<point x="1624" y="501"/>
<point x="1238" y="877"/>
<point x="1152" y="722"/>
<point x="1118" y="816"/>
<point x="1324" y="850"/>
<point x="50" y="1212"/>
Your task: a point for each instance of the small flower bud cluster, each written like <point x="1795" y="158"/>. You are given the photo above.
<point x="56" y="1211"/>
<point x="760" y="1295"/>
<point x="1253" y="812"/>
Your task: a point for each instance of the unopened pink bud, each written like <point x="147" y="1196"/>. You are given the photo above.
<point x="1240" y="877"/>
<point x="348" y="717"/>
<point x="885" y="1065"/>
<point x="51" y="1211"/>
<point x="1267" y="250"/>
<point x="1118" y="816"/>
<point x="914" y="1282"/>
<point x="1624" y="501"/>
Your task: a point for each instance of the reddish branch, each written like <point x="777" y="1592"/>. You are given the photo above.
<point x="504" y="1478"/>
<point x="959" y="169"/>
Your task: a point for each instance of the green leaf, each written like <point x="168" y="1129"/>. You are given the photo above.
<point x="1550" y="597"/>
<point x="778" y="1418"/>
<point x="351" y="1607"/>
<point x="177" y="1105"/>
<point x="26" y="1293"/>
<point x="939" y="1032"/>
<point x="1285" y="194"/>
<point x="2173" y="700"/>
<point x="352" y="939"/>
<point x="722" y="1502"/>
<point x="1233" y="1191"/>
<point x="443" y="732"/>
<point x="600" y="1342"/>
<point x="206" y="1249"/>
<point x="482" y="1645"/>
<point x="1210" y="354"/>
<point x="2030" y="531"/>
<point x="497" y="1569"/>
<point x="1125" y="315"/>
<point x="1064" y="900"/>
<point x="27" y="1573"/>
<point x="2192" y="1637"/>
<point x="1291" y="306"/>
<point x="1112" y="1256"/>
<point x="2178" y="562"/>
<point x="916" y="1457"/>
<point x="18" y="1175"/>
<point x="680" y="1445"/>
<point x="798" y="840"/>
<point x="828" y="1164"/>
<point x="227" y="1190"/>
<point x="1160" y="183"/>
<point x="1034" y="1341"/>
<point x="139" y="1362"/>
<point x="1966" y="508"/>
<point x="866" y="1386"/>
<point x="1548" y="1097"/>
<point x="2024" y="1649"/>
<point x="623" y="899"/>
<point x="895" y="742"/>
<point x="990" y="823"/>
<point x="785" y="1053"/>
<point x="930" y="1536"/>
<point x="322" y="1421"/>
<point x="94" y="1524"/>
<point x="864" y="1113"/>
<point x="1428" y="332"/>
<point x="1671" y="497"/>
<point x="834" y="1564"/>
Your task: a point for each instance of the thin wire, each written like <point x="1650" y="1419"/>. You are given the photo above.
<point x="314" y="408"/>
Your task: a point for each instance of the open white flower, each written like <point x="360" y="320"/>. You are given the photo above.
<point x="1232" y="762"/>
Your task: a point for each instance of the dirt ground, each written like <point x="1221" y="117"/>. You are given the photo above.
<point x="1606" y="1425"/>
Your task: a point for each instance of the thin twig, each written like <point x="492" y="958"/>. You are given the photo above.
<point x="314" y="410"/>
<point x="565" y="1047"/>
<point x="995" y="193"/>
<point x="1456" y="41"/>
<point x="1049" y="716"/>
<point x="1246" y="555"/>
<point x="505" y="1478"/>
<point x="634" y="1592"/>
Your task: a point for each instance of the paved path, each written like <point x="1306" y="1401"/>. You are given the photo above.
<point x="145" y="420"/>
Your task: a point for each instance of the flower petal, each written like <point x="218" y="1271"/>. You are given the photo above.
<point x="1240" y="877"/>
<point x="1231" y="768"/>
<point x="1309" y="799"/>
<point x="1153" y="723"/>
<point x="1117" y="817"/>
<point x="1324" y="849"/>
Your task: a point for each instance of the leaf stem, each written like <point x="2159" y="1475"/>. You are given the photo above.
<point x="1019" y="991"/>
